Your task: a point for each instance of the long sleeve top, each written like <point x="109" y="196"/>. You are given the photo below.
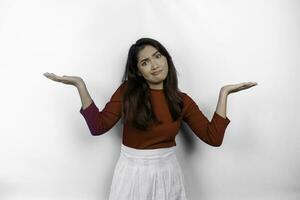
<point x="161" y="135"/>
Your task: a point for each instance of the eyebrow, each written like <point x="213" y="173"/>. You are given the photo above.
<point x="148" y="58"/>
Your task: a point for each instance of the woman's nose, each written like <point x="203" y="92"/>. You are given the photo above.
<point x="153" y="65"/>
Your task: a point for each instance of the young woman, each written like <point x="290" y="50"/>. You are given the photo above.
<point x="151" y="108"/>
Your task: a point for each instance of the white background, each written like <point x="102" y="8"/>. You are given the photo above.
<point x="46" y="149"/>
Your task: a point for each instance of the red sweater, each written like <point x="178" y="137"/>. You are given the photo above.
<point x="159" y="136"/>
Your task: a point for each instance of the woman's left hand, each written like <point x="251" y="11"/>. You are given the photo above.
<point x="227" y="89"/>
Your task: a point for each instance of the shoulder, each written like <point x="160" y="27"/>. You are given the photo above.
<point x="122" y="87"/>
<point x="118" y="93"/>
<point x="187" y="99"/>
<point x="189" y="105"/>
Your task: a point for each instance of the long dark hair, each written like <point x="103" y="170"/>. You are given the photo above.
<point x="136" y="104"/>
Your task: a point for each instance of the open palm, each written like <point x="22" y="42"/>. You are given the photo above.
<point x="69" y="80"/>
<point x="231" y="88"/>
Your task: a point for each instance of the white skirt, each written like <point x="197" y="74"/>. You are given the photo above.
<point x="147" y="174"/>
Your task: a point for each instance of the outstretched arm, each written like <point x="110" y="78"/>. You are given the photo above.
<point x="99" y="122"/>
<point x="211" y="132"/>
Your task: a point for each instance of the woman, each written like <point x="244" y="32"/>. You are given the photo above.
<point x="151" y="108"/>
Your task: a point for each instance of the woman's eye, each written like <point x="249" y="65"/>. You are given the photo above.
<point x="158" y="56"/>
<point x="144" y="63"/>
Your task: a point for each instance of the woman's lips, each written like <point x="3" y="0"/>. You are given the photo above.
<point x="156" y="73"/>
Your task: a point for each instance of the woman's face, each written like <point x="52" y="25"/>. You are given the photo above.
<point x="153" y="66"/>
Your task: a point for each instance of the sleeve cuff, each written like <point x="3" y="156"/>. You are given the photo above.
<point x="89" y="111"/>
<point x="221" y="119"/>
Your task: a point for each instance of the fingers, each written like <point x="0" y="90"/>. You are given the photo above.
<point x="251" y="83"/>
<point x="248" y="84"/>
<point x="52" y="76"/>
<point x="47" y="74"/>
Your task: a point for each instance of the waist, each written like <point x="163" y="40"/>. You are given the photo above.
<point x="148" y="154"/>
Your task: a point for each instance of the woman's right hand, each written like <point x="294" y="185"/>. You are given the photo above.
<point x="70" y="80"/>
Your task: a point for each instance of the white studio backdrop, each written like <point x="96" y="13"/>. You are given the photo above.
<point x="46" y="149"/>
